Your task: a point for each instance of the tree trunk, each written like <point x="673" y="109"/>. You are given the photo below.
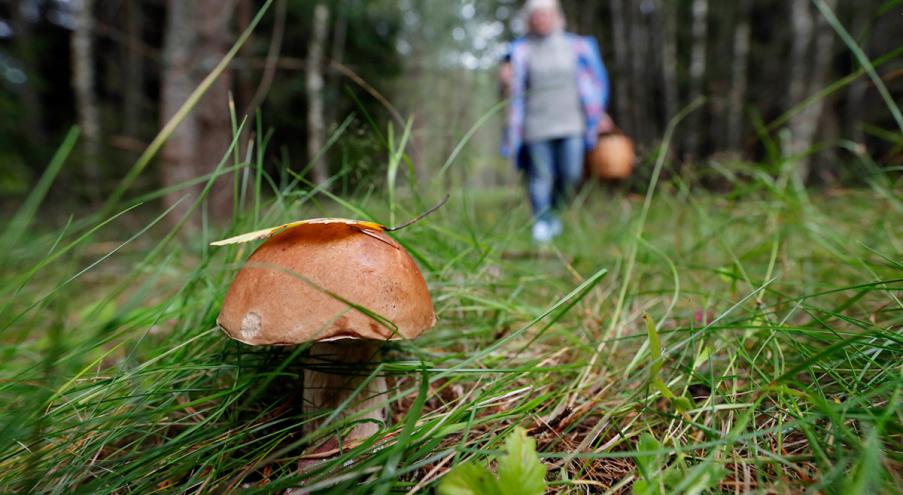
<point x="213" y="27"/>
<point x="83" y="88"/>
<point x="197" y="37"/>
<point x="804" y="127"/>
<point x="699" y="29"/>
<point x="178" y="154"/>
<point x="666" y="33"/>
<point x="339" y="38"/>
<point x="133" y="97"/>
<point x="622" y="103"/>
<point x="244" y="13"/>
<point x="808" y="78"/>
<point x="858" y="88"/>
<point x="802" y="25"/>
<point x="739" y="81"/>
<point x="316" y="127"/>
<point x="639" y="80"/>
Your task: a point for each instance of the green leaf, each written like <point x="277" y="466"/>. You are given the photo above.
<point x="648" y="463"/>
<point x="655" y="346"/>
<point x="520" y="471"/>
<point x="468" y="479"/>
<point x="866" y="475"/>
<point x="641" y="487"/>
<point x="702" y="477"/>
<point x="682" y="404"/>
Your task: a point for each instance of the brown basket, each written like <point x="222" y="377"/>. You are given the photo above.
<point x="612" y="158"/>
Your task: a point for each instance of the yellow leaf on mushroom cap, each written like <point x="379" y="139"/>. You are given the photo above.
<point x="259" y="235"/>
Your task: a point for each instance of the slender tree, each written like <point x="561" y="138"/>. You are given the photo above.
<point x="801" y="27"/>
<point x="666" y="39"/>
<point x="856" y="93"/>
<point x="133" y="91"/>
<point x="337" y="55"/>
<point x="622" y="103"/>
<point x="739" y="77"/>
<point x="813" y="43"/>
<point x="197" y="38"/>
<point x="700" y="14"/>
<point x="82" y="40"/>
<point x="213" y="27"/>
<point x="316" y="127"/>
<point x="178" y="155"/>
<point x="639" y="76"/>
<point x="804" y="127"/>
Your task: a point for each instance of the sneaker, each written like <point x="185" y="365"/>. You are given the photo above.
<point x="543" y="231"/>
<point x="556" y="227"/>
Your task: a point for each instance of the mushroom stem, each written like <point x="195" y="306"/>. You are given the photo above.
<point x="338" y="368"/>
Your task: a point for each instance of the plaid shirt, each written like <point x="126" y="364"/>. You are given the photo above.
<point x="592" y="84"/>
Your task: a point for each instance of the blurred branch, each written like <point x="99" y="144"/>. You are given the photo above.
<point x="180" y="115"/>
<point x="269" y="70"/>
<point x="111" y="33"/>
<point x="297" y="63"/>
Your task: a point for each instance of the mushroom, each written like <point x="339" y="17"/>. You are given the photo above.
<point x="345" y="286"/>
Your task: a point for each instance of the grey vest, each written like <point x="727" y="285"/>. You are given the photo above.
<point x="552" y="107"/>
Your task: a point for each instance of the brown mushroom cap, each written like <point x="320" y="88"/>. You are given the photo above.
<point x="282" y="295"/>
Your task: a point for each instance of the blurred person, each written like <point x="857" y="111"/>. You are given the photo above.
<point x="559" y="90"/>
<point x="505" y="74"/>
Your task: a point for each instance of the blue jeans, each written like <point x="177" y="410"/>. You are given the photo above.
<point x="554" y="170"/>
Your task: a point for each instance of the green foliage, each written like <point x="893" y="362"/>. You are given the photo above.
<point x="656" y="477"/>
<point x="680" y="403"/>
<point x="114" y="377"/>
<point x="520" y="472"/>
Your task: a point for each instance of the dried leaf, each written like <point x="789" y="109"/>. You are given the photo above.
<point x="259" y="235"/>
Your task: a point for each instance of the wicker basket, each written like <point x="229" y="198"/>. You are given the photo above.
<point x="612" y="158"/>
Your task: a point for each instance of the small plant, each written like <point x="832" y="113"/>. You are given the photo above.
<point x="655" y="477"/>
<point x="680" y="403"/>
<point x="519" y="471"/>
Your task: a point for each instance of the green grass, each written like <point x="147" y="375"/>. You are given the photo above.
<point x="779" y="313"/>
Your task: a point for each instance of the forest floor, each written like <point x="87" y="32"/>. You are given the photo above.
<point x="779" y="314"/>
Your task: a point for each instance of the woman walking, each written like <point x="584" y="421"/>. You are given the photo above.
<point x="559" y="90"/>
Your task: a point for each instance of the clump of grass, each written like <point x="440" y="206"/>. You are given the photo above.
<point x="774" y="324"/>
<point x="778" y="315"/>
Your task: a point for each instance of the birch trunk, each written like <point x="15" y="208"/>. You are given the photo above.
<point x="178" y="154"/>
<point x="700" y="9"/>
<point x="133" y="96"/>
<point x="639" y="78"/>
<point x="666" y="33"/>
<point x="804" y="126"/>
<point x="739" y="80"/>
<point x="214" y="38"/>
<point x="83" y="88"/>
<point x="316" y="127"/>
<point x="802" y="26"/>
<point x="339" y="38"/>
<point x="622" y="103"/>
<point x="197" y="37"/>
<point x="857" y="90"/>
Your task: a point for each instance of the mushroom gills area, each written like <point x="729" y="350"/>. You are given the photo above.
<point x="336" y="369"/>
